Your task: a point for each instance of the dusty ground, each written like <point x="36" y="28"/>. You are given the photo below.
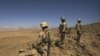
<point x="12" y="41"/>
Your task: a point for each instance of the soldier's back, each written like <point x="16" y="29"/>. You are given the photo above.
<point x="78" y="26"/>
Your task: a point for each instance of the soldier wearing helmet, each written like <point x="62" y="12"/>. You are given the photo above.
<point x="44" y="40"/>
<point x="62" y="29"/>
<point x="78" y="28"/>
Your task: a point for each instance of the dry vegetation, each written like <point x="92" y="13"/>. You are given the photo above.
<point x="12" y="41"/>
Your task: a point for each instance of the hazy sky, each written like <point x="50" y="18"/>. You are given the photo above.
<point x="29" y="13"/>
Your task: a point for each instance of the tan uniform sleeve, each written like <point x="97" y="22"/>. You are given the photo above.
<point x="65" y="27"/>
<point x="40" y="37"/>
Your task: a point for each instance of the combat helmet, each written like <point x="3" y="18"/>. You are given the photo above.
<point x="62" y="18"/>
<point x="79" y="20"/>
<point x="44" y="24"/>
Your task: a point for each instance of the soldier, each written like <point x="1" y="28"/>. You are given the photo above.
<point x="78" y="28"/>
<point x="62" y="29"/>
<point x="44" y="40"/>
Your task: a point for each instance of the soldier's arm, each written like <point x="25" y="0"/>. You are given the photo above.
<point x="40" y="38"/>
<point x="81" y="26"/>
<point x="76" y="26"/>
<point x="64" y="27"/>
<point x="59" y="27"/>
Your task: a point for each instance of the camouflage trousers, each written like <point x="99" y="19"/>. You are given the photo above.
<point x="62" y="37"/>
<point x="78" y="36"/>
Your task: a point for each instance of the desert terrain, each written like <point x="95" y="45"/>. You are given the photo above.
<point x="11" y="41"/>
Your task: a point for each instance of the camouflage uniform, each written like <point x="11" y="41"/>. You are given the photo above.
<point x="78" y="28"/>
<point x="44" y="43"/>
<point x="44" y="38"/>
<point x="62" y="30"/>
